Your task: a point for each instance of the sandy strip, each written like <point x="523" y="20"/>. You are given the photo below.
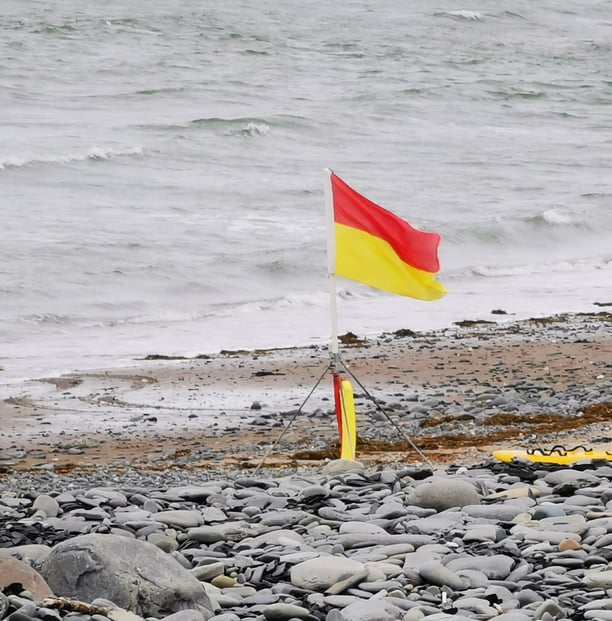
<point x="161" y="410"/>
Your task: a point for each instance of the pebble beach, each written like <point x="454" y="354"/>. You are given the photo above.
<point x="210" y="487"/>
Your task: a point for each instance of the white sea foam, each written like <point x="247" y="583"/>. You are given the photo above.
<point x="254" y="129"/>
<point x="463" y="14"/>
<point x="556" y="216"/>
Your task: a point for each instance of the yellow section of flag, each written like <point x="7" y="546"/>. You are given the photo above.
<point x="371" y="260"/>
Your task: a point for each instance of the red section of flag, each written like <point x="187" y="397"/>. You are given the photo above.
<point x="416" y="248"/>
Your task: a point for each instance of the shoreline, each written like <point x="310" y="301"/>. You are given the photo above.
<point x="14" y="373"/>
<point x="225" y="411"/>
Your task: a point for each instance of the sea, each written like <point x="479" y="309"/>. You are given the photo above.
<point x="162" y="168"/>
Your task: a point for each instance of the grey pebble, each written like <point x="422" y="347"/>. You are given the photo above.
<point x="281" y="611"/>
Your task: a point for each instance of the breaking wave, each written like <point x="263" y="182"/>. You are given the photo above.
<point x="47" y="318"/>
<point x="95" y="153"/>
<point x="503" y="271"/>
<point x="557" y="222"/>
<point x="553" y="217"/>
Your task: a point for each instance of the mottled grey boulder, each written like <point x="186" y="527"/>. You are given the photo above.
<point x="135" y="575"/>
<point x="442" y="493"/>
<point x="33" y="554"/>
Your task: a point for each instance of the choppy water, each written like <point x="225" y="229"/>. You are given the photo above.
<point x="161" y="167"/>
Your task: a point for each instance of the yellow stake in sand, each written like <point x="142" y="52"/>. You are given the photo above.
<point x="349" y="423"/>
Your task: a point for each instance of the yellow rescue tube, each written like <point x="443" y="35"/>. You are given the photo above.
<point x="349" y="422"/>
<point x="556" y="455"/>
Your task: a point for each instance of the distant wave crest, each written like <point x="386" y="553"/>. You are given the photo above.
<point x="552" y="217"/>
<point x="512" y="14"/>
<point x="502" y="271"/>
<point x="510" y="93"/>
<point x="249" y="127"/>
<point x="237" y="126"/>
<point x="94" y="153"/>
<point x="462" y="14"/>
<point x="520" y="228"/>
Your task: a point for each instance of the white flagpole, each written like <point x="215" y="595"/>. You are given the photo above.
<point x="331" y="262"/>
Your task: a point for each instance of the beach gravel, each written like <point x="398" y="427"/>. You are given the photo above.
<point x="502" y="557"/>
<point x="201" y="535"/>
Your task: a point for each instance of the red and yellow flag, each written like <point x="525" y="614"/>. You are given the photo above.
<point x="379" y="249"/>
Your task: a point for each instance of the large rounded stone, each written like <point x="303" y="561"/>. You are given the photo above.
<point x="320" y="573"/>
<point x="33" y="554"/>
<point x="434" y="572"/>
<point x="135" y="575"/>
<point x="46" y="506"/>
<point x="282" y="611"/>
<point x="442" y="493"/>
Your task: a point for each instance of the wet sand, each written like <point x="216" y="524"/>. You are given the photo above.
<point x="227" y="410"/>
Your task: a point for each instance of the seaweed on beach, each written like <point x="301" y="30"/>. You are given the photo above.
<point x="507" y="428"/>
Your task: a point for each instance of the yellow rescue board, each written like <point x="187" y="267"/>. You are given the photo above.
<point x="557" y="455"/>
